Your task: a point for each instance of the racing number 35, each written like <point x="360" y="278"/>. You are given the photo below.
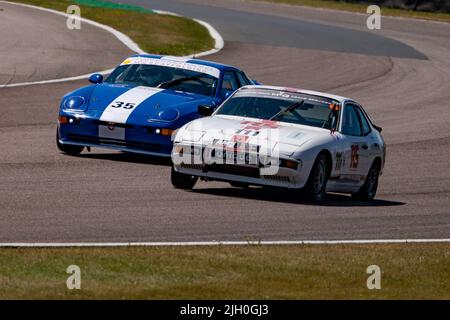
<point x="120" y="104"/>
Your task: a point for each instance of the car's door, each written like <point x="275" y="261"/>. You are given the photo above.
<point x="242" y="78"/>
<point x="354" y="146"/>
<point x="372" y="139"/>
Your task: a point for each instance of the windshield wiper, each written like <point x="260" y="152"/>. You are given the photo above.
<point x="290" y="108"/>
<point x="172" y="82"/>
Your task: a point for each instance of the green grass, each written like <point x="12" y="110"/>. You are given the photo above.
<point x="413" y="271"/>
<point x="159" y="34"/>
<point x="361" y="8"/>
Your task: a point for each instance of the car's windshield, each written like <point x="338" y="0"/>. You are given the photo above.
<point x="155" y="75"/>
<point x="281" y="106"/>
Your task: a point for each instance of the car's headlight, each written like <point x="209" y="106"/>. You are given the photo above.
<point x="75" y="103"/>
<point x="193" y="136"/>
<point x="291" y="164"/>
<point x="167" y="115"/>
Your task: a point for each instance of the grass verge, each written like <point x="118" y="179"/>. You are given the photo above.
<point x="154" y="33"/>
<point x="412" y="271"/>
<point x="361" y="8"/>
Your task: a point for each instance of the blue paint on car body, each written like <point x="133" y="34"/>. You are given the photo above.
<point x="138" y="126"/>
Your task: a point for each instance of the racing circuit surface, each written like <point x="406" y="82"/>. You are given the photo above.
<point x="400" y="74"/>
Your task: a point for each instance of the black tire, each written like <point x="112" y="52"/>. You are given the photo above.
<point x="315" y="188"/>
<point x="239" y="184"/>
<point x="370" y="186"/>
<point x="182" y="181"/>
<point x="66" y="148"/>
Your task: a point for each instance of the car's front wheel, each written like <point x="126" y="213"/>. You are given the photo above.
<point x="315" y="188"/>
<point x="370" y="186"/>
<point x="69" y="149"/>
<point x="182" y="181"/>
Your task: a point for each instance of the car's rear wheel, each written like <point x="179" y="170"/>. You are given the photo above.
<point x="69" y="149"/>
<point x="239" y="184"/>
<point x="315" y="188"/>
<point x="370" y="186"/>
<point x="182" y="181"/>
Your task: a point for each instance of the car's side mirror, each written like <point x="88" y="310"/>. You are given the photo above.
<point x="205" y="110"/>
<point x="96" y="78"/>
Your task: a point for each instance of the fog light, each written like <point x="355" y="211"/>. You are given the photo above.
<point x="290" y="164"/>
<point x="164" y="132"/>
<point x="63" y="120"/>
<point x="179" y="150"/>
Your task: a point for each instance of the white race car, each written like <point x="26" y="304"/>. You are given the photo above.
<point x="282" y="137"/>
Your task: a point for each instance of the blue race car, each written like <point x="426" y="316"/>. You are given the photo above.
<point x="142" y="102"/>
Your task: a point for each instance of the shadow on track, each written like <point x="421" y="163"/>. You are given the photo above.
<point x="254" y="193"/>
<point x="128" y="157"/>
<point x="288" y="196"/>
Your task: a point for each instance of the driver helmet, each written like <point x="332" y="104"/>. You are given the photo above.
<point x="151" y="75"/>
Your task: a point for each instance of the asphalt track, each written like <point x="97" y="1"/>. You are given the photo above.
<point x="401" y="74"/>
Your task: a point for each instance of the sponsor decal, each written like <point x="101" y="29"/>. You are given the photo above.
<point x="258" y="125"/>
<point x="173" y="58"/>
<point x="251" y="129"/>
<point x="354" y="157"/>
<point x="174" y="63"/>
<point x="339" y="159"/>
<point x="284" y="95"/>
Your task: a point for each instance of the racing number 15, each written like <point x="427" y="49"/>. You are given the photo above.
<point x="120" y="104"/>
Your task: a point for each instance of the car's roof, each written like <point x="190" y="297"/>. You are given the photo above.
<point x="309" y="92"/>
<point x="216" y="65"/>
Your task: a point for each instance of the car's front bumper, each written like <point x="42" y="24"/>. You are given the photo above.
<point x="234" y="172"/>
<point x="137" y="138"/>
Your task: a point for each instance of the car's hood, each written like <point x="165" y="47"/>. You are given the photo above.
<point x="287" y="136"/>
<point x="151" y="102"/>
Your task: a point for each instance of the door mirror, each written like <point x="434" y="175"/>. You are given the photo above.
<point x="379" y="129"/>
<point x="96" y="78"/>
<point x="205" y="110"/>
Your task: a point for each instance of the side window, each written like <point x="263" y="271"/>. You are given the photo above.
<point x="243" y="81"/>
<point x="364" y="122"/>
<point x="229" y="82"/>
<point x="350" y="121"/>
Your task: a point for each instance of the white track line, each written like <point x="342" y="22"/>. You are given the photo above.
<point x="84" y="76"/>
<point x="219" y="43"/>
<point x="218" y="40"/>
<point x="214" y="243"/>
<point x="133" y="46"/>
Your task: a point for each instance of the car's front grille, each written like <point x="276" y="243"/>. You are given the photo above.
<point x="116" y="125"/>
<point x="277" y="178"/>
<point x="191" y="166"/>
<point x="252" y="172"/>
